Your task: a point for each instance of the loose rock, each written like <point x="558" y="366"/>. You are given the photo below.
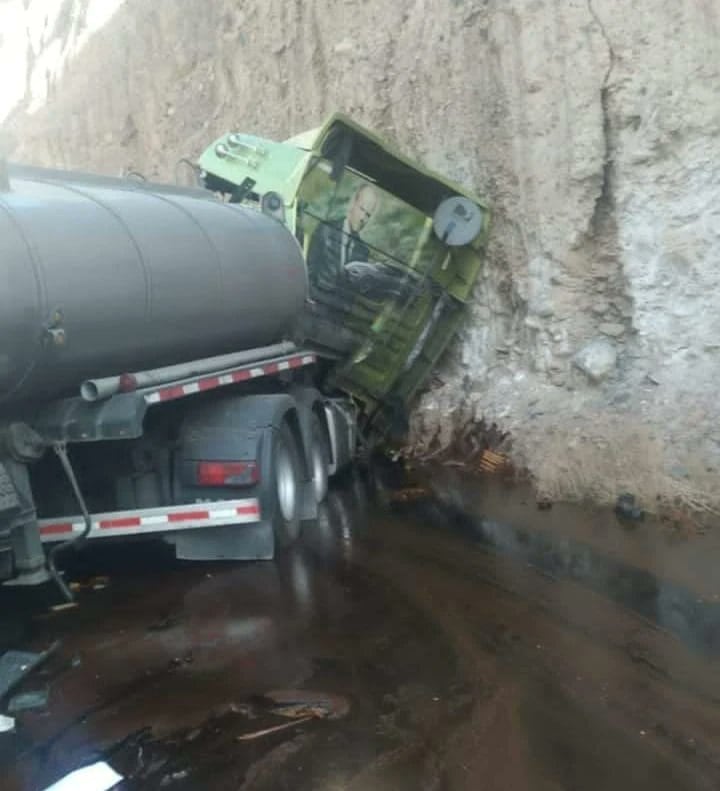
<point x="597" y="360"/>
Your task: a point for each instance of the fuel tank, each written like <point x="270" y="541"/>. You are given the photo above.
<point x="100" y="275"/>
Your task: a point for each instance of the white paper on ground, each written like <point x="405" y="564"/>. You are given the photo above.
<point x="6" y="723"/>
<point x="96" y="777"/>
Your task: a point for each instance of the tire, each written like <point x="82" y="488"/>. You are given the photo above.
<point x="319" y="460"/>
<point x="285" y="488"/>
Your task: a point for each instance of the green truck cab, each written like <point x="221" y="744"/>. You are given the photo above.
<point x="392" y="250"/>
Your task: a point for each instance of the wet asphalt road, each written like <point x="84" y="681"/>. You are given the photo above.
<point x="472" y="656"/>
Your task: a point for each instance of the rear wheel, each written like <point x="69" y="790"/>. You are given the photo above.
<point x="285" y="487"/>
<point x="319" y="460"/>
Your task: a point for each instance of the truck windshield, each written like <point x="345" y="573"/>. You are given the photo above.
<point x="362" y="241"/>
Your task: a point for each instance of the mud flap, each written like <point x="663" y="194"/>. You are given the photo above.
<point x="232" y="542"/>
<point x="6" y="558"/>
<point x="9" y="504"/>
<point x="20" y="544"/>
<point x="306" y="398"/>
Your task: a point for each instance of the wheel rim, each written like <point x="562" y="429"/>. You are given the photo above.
<point x="319" y="473"/>
<point x="286" y="484"/>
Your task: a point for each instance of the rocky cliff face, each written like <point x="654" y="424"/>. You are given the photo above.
<point x="592" y="126"/>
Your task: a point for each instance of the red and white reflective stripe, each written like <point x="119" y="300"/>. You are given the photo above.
<point x="242" y="374"/>
<point x="154" y="520"/>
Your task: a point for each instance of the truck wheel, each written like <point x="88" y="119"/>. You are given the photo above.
<point x="319" y="460"/>
<point x="285" y="488"/>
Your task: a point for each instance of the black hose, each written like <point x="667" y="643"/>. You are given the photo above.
<point x="61" y="452"/>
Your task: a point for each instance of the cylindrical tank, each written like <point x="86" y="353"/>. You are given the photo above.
<point x="101" y="275"/>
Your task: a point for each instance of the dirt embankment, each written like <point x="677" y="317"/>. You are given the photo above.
<point x="593" y="129"/>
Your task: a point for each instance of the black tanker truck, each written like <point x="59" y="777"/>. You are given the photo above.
<point x="196" y="362"/>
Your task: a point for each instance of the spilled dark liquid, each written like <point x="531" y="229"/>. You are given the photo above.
<point x="420" y="614"/>
<point x="671" y="607"/>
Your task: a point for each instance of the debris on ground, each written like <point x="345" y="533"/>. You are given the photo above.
<point x="15" y="665"/>
<point x="246" y="709"/>
<point x="408" y="494"/>
<point x="544" y="504"/>
<point x="7" y="724"/>
<point x="298" y="711"/>
<point x="96" y="777"/>
<point x="246" y="737"/>
<point x="28" y="701"/>
<point x="491" y="461"/>
<point x="307" y="702"/>
<point x="173" y="777"/>
<point x="68" y="605"/>
<point x="178" y="661"/>
<point x="94" y="583"/>
<point x="299" y="705"/>
<point x="627" y="508"/>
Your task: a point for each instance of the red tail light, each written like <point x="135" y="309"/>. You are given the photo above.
<point x="227" y="473"/>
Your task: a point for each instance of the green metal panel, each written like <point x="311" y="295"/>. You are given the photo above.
<point x="273" y="167"/>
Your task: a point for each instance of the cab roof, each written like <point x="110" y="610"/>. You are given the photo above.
<point x="348" y="144"/>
